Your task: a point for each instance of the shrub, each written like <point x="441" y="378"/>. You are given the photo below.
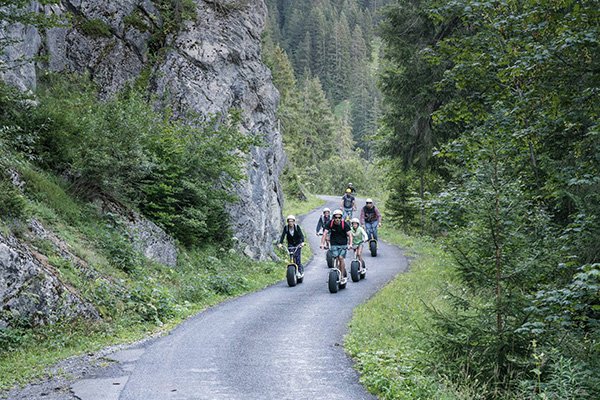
<point x="12" y="202"/>
<point x="95" y="28"/>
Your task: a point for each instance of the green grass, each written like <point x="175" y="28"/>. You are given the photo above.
<point x="387" y="335"/>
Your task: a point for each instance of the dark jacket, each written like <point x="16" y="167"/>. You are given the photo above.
<point x="292" y="240"/>
<point x="323" y="221"/>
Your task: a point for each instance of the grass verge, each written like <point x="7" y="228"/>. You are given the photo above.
<point x="387" y="336"/>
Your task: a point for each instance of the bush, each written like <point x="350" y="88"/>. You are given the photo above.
<point x="12" y="202"/>
<point x="178" y="173"/>
<point x="95" y="28"/>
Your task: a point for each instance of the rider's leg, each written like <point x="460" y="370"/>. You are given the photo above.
<point x="359" y="252"/>
<point x="342" y="265"/>
<point x="298" y="260"/>
<point x="374" y="227"/>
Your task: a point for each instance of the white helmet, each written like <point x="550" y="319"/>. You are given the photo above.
<point x="337" y="212"/>
<point x="326" y="210"/>
<point x="369" y="201"/>
<point x="353" y="220"/>
<point x="290" y="217"/>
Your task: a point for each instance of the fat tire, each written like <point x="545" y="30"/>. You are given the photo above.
<point x="332" y="281"/>
<point x="329" y="259"/>
<point x="355" y="270"/>
<point x="291" y="275"/>
<point x="373" y="248"/>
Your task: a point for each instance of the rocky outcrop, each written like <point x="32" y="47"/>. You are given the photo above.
<point x="31" y="291"/>
<point x="147" y="237"/>
<point x="211" y="65"/>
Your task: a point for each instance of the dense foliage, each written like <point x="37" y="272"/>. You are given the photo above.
<point x="177" y="173"/>
<point x="494" y="106"/>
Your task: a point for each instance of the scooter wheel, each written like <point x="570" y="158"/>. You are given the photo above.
<point x="332" y="281"/>
<point x="373" y="248"/>
<point x="291" y="275"/>
<point x="355" y="270"/>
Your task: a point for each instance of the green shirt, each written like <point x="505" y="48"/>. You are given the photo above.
<point x="358" y="235"/>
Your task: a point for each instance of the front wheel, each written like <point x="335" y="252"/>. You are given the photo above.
<point x="332" y="281"/>
<point x="373" y="248"/>
<point x="291" y="275"/>
<point x="329" y="258"/>
<point x="354" y="270"/>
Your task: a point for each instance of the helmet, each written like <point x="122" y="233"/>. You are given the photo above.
<point x="348" y="191"/>
<point x="326" y="210"/>
<point x="350" y="184"/>
<point x="290" y="217"/>
<point x="353" y="220"/>
<point x="337" y="212"/>
<point x="369" y="201"/>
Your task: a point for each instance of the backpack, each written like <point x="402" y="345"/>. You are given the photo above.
<point x="347" y="201"/>
<point x="331" y="224"/>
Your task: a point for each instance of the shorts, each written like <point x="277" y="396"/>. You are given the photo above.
<point x="357" y="245"/>
<point x="338" y="250"/>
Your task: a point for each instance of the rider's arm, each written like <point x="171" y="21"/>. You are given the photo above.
<point x="282" y="236"/>
<point x="364" y="234"/>
<point x="378" y="215"/>
<point x="362" y="216"/>
<point x="349" y="233"/>
<point x="324" y="237"/>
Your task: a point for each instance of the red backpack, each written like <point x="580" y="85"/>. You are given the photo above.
<point x="331" y="224"/>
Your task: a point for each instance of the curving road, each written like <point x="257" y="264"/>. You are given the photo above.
<point x="279" y="343"/>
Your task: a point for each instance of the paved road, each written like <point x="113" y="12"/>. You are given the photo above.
<point x="279" y="343"/>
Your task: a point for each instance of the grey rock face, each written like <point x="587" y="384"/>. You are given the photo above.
<point x="147" y="237"/>
<point x="31" y="291"/>
<point x="212" y="65"/>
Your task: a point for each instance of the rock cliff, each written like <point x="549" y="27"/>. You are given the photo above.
<point x="210" y="64"/>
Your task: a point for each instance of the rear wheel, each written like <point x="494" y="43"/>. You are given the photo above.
<point x="329" y="258"/>
<point x="332" y="281"/>
<point x="291" y="275"/>
<point x="373" y="248"/>
<point x="354" y="270"/>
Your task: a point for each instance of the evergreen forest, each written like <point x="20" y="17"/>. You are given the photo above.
<point x="483" y="118"/>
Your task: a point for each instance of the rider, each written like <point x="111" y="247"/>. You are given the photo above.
<point x="351" y="187"/>
<point x="370" y="217"/>
<point x="323" y="220"/>
<point x="348" y="204"/>
<point x="341" y="239"/>
<point x="295" y="238"/>
<point x="359" y="236"/>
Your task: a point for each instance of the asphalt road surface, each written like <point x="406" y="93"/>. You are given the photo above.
<point x="280" y="343"/>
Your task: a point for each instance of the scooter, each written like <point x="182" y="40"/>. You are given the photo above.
<point x="358" y="269"/>
<point x="293" y="274"/>
<point x="372" y="242"/>
<point x="335" y="280"/>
